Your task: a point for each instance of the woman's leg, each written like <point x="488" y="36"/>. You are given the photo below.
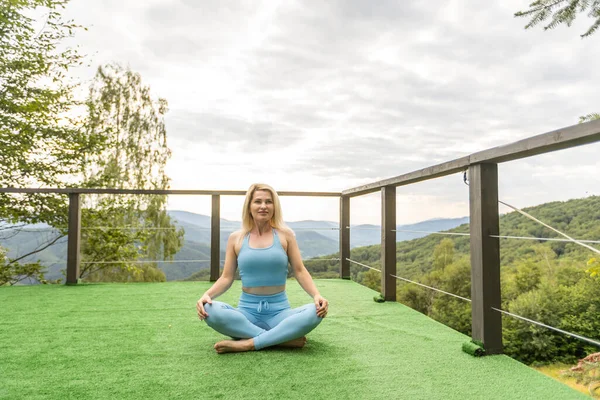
<point x="288" y="325"/>
<point x="229" y="321"/>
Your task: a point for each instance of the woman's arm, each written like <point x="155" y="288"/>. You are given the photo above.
<point x="303" y="276"/>
<point x="225" y="280"/>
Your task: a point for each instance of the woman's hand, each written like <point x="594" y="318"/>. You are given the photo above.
<point x="322" y="305"/>
<point x="200" y="306"/>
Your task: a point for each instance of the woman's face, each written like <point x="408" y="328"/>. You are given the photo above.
<point x="261" y="206"/>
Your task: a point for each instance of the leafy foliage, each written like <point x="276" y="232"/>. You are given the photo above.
<point x="34" y="97"/>
<point x="594" y="267"/>
<point x="589" y="117"/>
<point x="561" y="12"/>
<point x="120" y="143"/>
<point x="543" y="281"/>
<point x="126" y="228"/>
<point x="41" y="145"/>
<point x="12" y="273"/>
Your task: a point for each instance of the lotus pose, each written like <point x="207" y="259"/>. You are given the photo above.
<point x="261" y="250"/>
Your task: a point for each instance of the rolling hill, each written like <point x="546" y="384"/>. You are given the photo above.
<point x="315" y="238"/>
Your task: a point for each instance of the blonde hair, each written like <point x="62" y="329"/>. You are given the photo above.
<point x="248" y="221"/>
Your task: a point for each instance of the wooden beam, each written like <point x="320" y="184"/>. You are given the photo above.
<point x="309" y="194"/>
<point x="215" y="238"/>
<point x="388" y="242"/>
<point x="559" y="139"/>
<point x="159" y="192"/>
<point x="344" y="237"/>
<point x="485" y="256"/>
<point x="424" y="174"/>
<point x="74" y="239"/>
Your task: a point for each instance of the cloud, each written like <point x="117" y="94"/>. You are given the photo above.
<point x="349" y="91"/>
<point x="222" y="131"/>
<point x="358" y="157"/>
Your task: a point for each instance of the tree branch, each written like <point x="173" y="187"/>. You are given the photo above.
<point x="9" y="235"/>
<point x="36" y="250"/>
<point x="9" y="227"/>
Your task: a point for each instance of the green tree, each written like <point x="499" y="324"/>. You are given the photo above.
<point x="527" y="342"/>
<point x="580" y="309"/>
<point x="41" y="145"/>
<point x="543" y="281"/>
<point x="561" y="12"/>
<point x="413" y="296"/>
<point x="570" y="308"/>
<point x="11" y="273"/>
<point x="451" y="311"/>
<point x="443" y="254"/>
<point x="433" y="279"/>
<point x="123" y="230"/>
<point x="44" y="146"/>
<point x="528" y="276"/>
<point x="564" y="12"/>
<point x="372" y="280"/>
<point x="546" y="257"/>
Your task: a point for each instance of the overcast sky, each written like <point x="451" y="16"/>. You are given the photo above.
<point x="328" y="95"/>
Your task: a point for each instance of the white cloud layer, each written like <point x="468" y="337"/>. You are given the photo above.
<point x="324" y="96"/>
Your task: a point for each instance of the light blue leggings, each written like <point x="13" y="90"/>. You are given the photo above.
<point x="269" y="320"/>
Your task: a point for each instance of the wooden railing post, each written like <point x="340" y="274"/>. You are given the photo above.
<point x="344" y="237"/>
<point x="388" y="242"/>
<point x="74" y="239"/>
<point x="215" y="238"/>
<point x="485" y="256"/>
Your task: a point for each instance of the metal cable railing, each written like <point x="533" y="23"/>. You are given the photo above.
<point x="501" y="236"/>
<point x="594" y="342"/>
<point x="551" y="228"/>
<point x="143" y="261"/>
<point x="433" y="233"/>
<point x="586" y="339"/>
<point x="408" y="280"/>
<point x="544" y="239"/>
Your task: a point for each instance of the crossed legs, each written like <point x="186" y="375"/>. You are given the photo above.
<point x="257" y="331"/>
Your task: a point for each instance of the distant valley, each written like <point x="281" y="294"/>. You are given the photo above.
<point x="315" y="238"/>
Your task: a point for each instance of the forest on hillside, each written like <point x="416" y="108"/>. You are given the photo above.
<point x="547" y="281"/>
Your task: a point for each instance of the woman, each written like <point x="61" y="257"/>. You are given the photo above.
<point x="261" y="250"/>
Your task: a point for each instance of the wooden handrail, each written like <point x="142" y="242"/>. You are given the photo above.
<point x="159" y="192"/>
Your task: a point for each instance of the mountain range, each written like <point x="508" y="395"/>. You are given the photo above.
<point x="315" y="238"/>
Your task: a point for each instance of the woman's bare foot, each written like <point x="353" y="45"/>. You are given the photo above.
<point x="300" y="342"/>
<point x="234" y="346"/>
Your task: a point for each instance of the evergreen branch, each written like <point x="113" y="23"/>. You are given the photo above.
<point x="561" y="12"/>
<point x="589" y="117"/>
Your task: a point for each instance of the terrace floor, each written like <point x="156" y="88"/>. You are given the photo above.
<point x="144" y="341"/>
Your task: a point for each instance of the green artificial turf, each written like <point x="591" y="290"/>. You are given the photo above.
<point x="144" y="341"/>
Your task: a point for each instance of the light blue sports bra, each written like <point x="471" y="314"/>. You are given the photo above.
<point x="263" y="267"/>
